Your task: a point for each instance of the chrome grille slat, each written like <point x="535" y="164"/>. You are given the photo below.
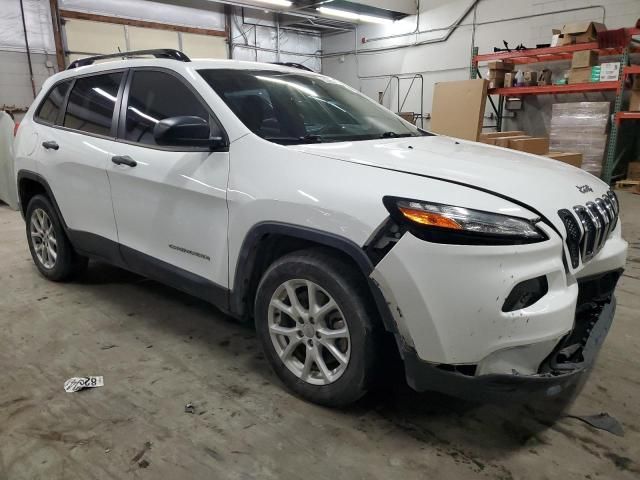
<point x="616" y="207"/>
<point x="599" y="212"/>
<point x="597" y="219"/>
<point x="588" y="233"/>
<point x="601" y="205"/>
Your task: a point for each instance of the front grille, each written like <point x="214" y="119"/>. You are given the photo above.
<point x="597" y="220"/>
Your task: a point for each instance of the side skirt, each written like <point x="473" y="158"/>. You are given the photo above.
<point x="100" y="248"/>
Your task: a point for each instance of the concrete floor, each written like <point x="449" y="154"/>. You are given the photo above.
<point x="159" y="349"/>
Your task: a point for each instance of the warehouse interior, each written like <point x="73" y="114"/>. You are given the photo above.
<point x="188" y="392"/>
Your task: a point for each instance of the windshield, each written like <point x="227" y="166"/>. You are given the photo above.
<point x="293" y="108"/>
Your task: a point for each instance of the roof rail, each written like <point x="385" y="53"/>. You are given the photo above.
<point x="158" y="53"/>
<point x="293" y="65"/>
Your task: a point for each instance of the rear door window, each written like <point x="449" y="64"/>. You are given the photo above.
<point x="154" y="96"/>
<point x="92" y="103"/>
<point x="50" y="108"/>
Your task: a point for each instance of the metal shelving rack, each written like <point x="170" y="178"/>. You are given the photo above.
<point x="564" y="53"/>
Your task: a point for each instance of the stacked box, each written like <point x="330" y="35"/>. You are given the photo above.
<point x="497" y="71"/>
<point x="544" y="78"/>
<point x="584" y="58"/>
<point x="581" y="127"/>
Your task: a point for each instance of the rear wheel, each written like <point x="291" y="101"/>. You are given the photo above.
<point x="50" y="248"/>
<point x="316" y="328"/>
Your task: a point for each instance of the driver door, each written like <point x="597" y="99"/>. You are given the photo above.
<point x="170" y="202"/>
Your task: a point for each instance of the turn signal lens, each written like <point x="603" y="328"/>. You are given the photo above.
<point x="430" y="219"/>
<point x="441" y="223"/>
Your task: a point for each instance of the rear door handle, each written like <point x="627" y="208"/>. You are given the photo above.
<point x="50" y="145"/>
<point x="124" y="160"/>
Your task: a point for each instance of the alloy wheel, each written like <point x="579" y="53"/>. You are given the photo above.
<point x="309" y="332"/>
<point x="43" y="238"/>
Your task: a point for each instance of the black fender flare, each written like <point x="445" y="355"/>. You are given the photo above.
<point x="247" y="261"/>
<point x="36" y="177"/>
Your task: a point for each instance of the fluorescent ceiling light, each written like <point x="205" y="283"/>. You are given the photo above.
<point x="279" y="3"/>
<point x="353" y="15"/>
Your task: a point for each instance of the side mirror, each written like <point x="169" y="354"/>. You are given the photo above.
<point x="188" y="131"/>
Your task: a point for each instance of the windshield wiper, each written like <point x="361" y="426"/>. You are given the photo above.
<point x="311" y="138"/>
<point x="395" y="135"/>
<point x="295" y="140"/>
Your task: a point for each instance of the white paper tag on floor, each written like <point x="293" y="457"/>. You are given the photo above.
<point x="75" y="384"/>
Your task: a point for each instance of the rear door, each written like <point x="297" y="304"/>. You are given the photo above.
<point x="170" y="202"/>
<point x="76" y="131"/>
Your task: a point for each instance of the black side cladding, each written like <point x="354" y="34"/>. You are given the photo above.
<point x="388" y="234"/>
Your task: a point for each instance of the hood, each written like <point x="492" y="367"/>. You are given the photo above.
<point x="542" y="184"/>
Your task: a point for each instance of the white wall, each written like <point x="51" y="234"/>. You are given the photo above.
<point x="15" y="86"/>
<point x="450" y="60"/>
<point x="258" y="29"/>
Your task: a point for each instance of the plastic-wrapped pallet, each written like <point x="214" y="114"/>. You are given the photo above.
<point x="581" y="127"/>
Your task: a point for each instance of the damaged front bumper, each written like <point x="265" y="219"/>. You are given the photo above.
<point x="563" y="371"/>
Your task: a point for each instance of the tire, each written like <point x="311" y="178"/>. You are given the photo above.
<point x="336" y="384"/>
<point x="54" y="256"/>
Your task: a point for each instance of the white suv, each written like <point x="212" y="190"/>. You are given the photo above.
<point x="284" y="196"/>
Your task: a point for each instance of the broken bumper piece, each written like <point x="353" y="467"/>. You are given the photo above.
<point x="562" y="373"/>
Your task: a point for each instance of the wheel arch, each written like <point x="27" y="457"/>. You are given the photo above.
<point x="31" y="184"/>
<point x="267" y="241"/>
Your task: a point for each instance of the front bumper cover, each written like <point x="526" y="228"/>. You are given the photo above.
<point x="559" y="376"/>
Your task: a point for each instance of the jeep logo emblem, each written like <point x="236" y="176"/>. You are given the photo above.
<point x="584" y="188"/>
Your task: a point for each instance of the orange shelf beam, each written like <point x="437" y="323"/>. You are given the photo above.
<point x="627" y="116"/>
<point x="556" y="89"/>
<point x="632" y="70"/>
<point x="550" y="54"/>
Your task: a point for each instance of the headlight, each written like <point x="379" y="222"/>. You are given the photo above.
<point x="440" y="223"/>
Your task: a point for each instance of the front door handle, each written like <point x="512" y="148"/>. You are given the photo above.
<point x="124" y="160"/>
<point x="50" y="145"/>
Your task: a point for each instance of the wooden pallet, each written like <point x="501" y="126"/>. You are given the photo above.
<point x="628" y="186"/>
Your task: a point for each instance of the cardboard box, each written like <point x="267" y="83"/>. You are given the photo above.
<point x="536" y="145"/>
<point x="508" y="79"/>
<point x="585" y="58"/>
<point x="574" y="159"/>
<point x="609" y="72"/>
<point x="580" y="75"/>
<point x="458" y="108"/>
<point x="496" y="83"/>
<point x="581" y="32"/>
<point x="635" y="85"/>
<point x="501" y="65"/>
<point x="506" y="141"/>
<point x="530" y="78"/>
<point x="633" y="172"/>
<point x="544" y="78"/>
<point x="408" y="116"/>
<point x="511" y="133"/>
<point x="634" y="101"/>
<point x="496" y="74"/>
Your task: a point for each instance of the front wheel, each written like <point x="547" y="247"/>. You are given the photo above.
<point x="316" y="327"/>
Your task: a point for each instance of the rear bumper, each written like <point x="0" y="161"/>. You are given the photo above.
<point x="558" y="375"/>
